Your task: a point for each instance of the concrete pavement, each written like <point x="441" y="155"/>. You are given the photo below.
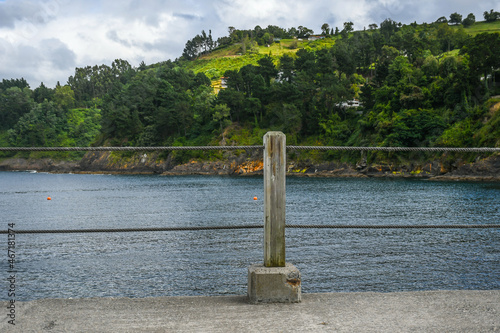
<point x="423" y="311"/>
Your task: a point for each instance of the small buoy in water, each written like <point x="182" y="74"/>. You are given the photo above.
<point x="49" y="198"/>
<point x="255" y="198"/>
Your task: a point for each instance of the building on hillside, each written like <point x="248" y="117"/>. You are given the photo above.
<point x="349" y="104"/>
<point x="315" y="37"/>
<point x="219" y="85"/>
<point x="223" y="82"/>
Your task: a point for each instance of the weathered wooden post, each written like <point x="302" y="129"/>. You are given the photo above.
<point x="275" y="280"/>
<point x="274" y="199"/>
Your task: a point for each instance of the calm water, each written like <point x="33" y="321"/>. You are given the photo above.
<point x="215" y="262"/>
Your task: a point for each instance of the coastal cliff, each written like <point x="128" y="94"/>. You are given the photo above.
<point x="247" y="164"/>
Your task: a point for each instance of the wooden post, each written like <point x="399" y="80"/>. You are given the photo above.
<point x="274" y="199"/>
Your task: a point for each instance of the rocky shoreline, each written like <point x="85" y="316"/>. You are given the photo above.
<point x="487" y="169"/>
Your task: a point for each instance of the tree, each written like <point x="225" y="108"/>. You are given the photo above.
<point x="306" y="62"/>
<point x="267" y="69"/>
<point x="492" y="16"/>
<point x="199" y="44"/>
<point x="348" y="28"/>
<point x="235" y="100"/>
<point x="445" y="35"/>
<point x="345" y="58"/>
<point x="289" y="117"/>
<point x="64" y="97"/>
<point x="430" y="66"/>
<point x="414" y="128"/>
<point x="14" y="103"/>
<point x="39" y="127"/>
<point x="388" y="28"/>
<point x="221" y="116"/>
<point x="387" y="56"/>
<point x="258" y="32"/>
<point x="267" y="38"/>
<point x="43" y="93"/>
<point x="484" y="54"/>
<point x="455" y="18"/>
<point x="19" y="83"/>
<point x="325" y="29"/>
<point x="142" y="66"/>
<point x="469" y="20"/>
<point x="304" y="32"/>
<point x="192" y="48"/>
<point x="286" y="67"/>
<point x="442" y="19"/>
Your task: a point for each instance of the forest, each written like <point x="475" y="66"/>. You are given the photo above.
<point x="430" y="84"/>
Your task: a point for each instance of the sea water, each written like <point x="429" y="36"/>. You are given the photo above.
<point x="215" y="262"/>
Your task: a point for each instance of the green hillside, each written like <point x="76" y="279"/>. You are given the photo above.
<point x="216" y="63"/>
<point x="480" y="27"/>
<point x="390" y="85"/>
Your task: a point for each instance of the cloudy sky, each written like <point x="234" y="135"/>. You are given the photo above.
<point x="44" y="40"/>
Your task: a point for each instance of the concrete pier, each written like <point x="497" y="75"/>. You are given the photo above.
<point x="274" y="284"/>
<point x="424" y="311"/>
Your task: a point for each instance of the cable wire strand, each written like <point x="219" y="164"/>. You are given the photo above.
<point x="395" y="149"/>
<point x="241" y="227"/>
<point x="166" y="148"/>
<point x="323" y="148"/>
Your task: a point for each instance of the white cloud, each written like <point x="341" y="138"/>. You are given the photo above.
<point x="44" y="40"/>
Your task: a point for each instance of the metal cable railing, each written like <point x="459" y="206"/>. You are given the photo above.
<point x="323" y="148"/>
<point x="396" y="149"/>
<point x="134" y="149"/>
<point x="241" y="227"/>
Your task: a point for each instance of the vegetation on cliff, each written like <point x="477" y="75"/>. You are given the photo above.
<point x="417" y="85"/>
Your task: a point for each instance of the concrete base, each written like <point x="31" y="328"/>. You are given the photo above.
<point x="274" y="284"/>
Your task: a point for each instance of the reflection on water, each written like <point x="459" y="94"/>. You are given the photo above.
<point x="215" y="262"/>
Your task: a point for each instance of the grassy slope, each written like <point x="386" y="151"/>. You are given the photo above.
<point x="480" y="27"/>
<point x="215" y="64"/>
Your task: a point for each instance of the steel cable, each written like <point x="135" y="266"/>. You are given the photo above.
<point x="395" y="149"/>
<point x="337" y="148"/>
<point x="293" y="226"/>
<point x="135" y="149"/>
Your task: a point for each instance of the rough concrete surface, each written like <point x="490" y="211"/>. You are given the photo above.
<point x="424" y="311"/>
<point x="274" y="284"/>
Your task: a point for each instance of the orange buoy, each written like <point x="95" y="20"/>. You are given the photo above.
<point x="255" y="198"/>
<point x="49" y="198"/>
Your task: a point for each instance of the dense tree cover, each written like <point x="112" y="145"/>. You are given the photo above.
<point x="158" y="105"/>
<point x="414" y="92"/>
<point x="491" y="16"/>
<point x="93" y="83"/>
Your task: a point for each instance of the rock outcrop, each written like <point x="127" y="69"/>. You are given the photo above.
<point x="487" y="169"/>
<point x="250" y="163"/>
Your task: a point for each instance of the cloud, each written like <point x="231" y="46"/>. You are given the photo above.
<point x="28" y="11"/>
<point x="113" y="36"/>
<point x="58" y="54"/>
<point x="43" y="40"/>
<point x="189" y="17"/>
<point x="12" y="11"/>
<point x="48" y="60"/>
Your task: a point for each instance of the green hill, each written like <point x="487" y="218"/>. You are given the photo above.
<point x="392" y="85"/>
<point x="214" y="64"/>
